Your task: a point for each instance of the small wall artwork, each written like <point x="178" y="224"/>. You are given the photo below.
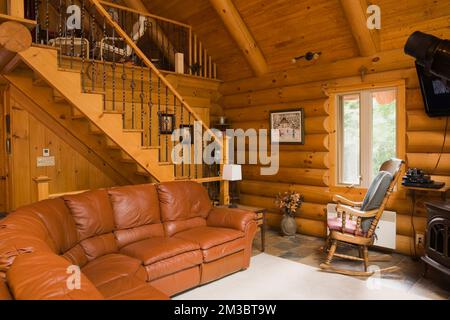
<point x="290" y="125"/>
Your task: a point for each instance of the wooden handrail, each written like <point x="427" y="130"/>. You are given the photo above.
<point x="145" y="14"/>
<point x="149" y="64"/>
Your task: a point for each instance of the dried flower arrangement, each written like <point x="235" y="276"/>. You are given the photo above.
<point x="289" y="202"/>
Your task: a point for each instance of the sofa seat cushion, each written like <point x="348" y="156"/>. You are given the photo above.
<point x="215" y="242"/>
<point x="174" y="265"/>
<point x="112" y="267"/>
<point x="223" y="250"/>
<point x="156" y="249"/>
<point x="130" y="288"/>
<point x="208" y="237"/>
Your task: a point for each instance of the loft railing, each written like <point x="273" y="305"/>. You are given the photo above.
<point x="106" y="50"/>
<point x="170" y="45"/>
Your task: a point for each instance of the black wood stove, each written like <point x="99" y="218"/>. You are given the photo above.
<point x="438" y="237"/>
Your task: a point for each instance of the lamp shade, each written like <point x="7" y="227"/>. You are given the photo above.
<point x="232" y="172"/>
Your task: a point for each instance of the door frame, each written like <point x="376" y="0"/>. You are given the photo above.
<point x="5" y="203"/>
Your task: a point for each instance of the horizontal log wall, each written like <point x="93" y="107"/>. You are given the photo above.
<point x="305" y="169"/>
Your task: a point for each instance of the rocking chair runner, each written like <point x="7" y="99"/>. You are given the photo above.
<point x="361" y="232"/>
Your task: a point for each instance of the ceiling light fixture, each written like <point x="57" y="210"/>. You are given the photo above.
<point x="309" y="56"/>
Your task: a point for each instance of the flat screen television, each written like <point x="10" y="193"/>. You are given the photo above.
<point x="435" y="93"/>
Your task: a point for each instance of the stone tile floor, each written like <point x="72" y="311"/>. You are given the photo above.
<point x="309" y="251"/>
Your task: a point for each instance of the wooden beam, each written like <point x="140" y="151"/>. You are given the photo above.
<point x="366" y="39"/>
<point x="241" y="34"/>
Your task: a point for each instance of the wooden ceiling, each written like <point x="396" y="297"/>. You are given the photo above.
<point x="284" y="29"/>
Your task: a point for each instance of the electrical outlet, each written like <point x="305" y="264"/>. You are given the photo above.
<point x="420" y="240"/>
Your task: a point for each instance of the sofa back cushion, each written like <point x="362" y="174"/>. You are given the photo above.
<point x="184" y="205"/>
<point x="93" y="216"/>
<point x="22" y="232"/>
<point x="136" y="213"/>
<point x="58" y="221"/>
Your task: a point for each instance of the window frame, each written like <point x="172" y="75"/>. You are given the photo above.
<point x="335" y="94"/>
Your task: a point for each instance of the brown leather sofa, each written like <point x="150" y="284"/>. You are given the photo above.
<point x="136" y="242"/>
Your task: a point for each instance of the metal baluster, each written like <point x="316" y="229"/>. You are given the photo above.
<point x="167" y="136"/>
<point x="150" y="105"/>
<point x="124" y="78"/>
<point x="104" y="65"/>
<point x="190" y="147"/>
<point x="175" y="127"/>
<point x="159" y="116"/>
<point x="142" y="97"/>
<point x="133" y="85"/>
<point x="38" y="21"/>
<point x="182" y="152"/>
<point x="72" y="44"/>
<point x="47" y="21"/>
<point x="94" y="45"/>
<point x="83" y="53"/>
<point x="60" y="32"/>
<point x="113" y="67"/>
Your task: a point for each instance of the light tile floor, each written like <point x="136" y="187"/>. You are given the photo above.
<point x="309" y="251"/>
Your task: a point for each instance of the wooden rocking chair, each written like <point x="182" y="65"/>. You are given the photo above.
<point x="361" y="232"/>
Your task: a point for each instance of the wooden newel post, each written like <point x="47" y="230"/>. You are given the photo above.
<point x="42" y="184"/>
<point x="225" y="185"/>
<point x="16" y="8"/>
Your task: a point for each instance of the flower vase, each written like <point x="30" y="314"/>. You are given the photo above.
<point x="288" y="225"/>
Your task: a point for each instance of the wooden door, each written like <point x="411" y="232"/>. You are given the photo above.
<point x="4" y="159"/>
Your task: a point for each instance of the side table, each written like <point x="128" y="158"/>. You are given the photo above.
<point x="260" y="219"/>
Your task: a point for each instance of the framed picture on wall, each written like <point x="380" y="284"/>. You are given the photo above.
<point x="290" y="125"/>
<point x="166" y="123"/>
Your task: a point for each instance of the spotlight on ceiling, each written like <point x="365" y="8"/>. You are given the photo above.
<point x="309" y="56"/>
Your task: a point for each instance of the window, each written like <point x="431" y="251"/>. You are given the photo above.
<point x="367" y="134"/>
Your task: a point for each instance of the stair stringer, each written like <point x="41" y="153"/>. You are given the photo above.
<point x="44" y="62"/>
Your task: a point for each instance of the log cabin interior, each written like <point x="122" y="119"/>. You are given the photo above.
<point x="196" y="149"/>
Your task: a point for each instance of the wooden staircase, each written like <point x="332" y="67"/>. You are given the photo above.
<point x="59" y="93"/>
<point x="122" y="111"/>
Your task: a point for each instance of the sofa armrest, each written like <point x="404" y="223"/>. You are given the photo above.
<point x="38" y="276"/>
<point x="230" y="218"/>
<point x="4" y="291"/>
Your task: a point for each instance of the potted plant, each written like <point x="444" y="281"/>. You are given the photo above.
<point x="289" y="203"/>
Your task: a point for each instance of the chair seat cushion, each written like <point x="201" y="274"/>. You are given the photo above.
<point x="335" y="224"/>
<point x="156" y="249"/>
<point x="215" y="242"/>
<point x="112" y="267"/>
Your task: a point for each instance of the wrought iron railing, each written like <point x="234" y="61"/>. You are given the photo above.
<point x="172" y="46"/>
<point x="104" y="45"/>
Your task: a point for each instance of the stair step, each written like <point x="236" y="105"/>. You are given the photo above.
<point x="127" y="160"/>
<point x="133" y="130"/>
<point x="165" y="163"/>
<point x="39" y="83"/>
<point x="182" y="178"/>
<point x="78" y="117"/>
<point x="143" y="174"/>
<point x="114" y="147"/>
<point x="58" y="97"/>
<point x="151" y="148"/>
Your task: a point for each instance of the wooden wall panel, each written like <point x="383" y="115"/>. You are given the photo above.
<point x="71" y="171"/>
<point x="424" y="139"/>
